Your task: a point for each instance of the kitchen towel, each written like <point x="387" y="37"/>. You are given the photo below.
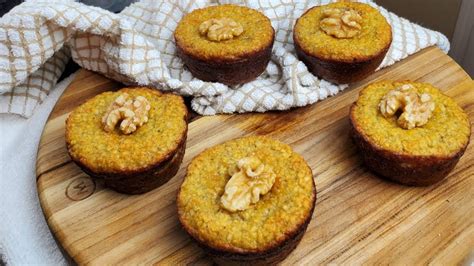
<point x="25" y="238"/>
<point x="137" y="47"/>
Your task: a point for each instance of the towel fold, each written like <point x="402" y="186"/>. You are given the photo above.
<point x="137" y="47"/>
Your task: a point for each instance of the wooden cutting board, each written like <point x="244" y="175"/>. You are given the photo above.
<point x="359" y="218"/>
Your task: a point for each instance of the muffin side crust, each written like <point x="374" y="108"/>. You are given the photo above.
<point x="418" y="156"/>
<point x="269" y="228"/>
<point x="342" y="60"/>
<point x="231" y="61"/>
<point x="135" y="158"/>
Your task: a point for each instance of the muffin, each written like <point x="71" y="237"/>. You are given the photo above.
<point x="409" y="132"/>
<point x="133" y="139"/>
<point x="342" y="42"/>
<point x="224" y="44"/>
<point x="247" y="201"/>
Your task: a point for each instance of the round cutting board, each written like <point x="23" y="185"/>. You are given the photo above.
<point x="359" y="218"/>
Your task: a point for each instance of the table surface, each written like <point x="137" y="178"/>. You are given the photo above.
<point x="359" y="218"/>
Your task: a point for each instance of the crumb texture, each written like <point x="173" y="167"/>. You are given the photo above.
<point x="277" y="214"/>
<point x="445" y="133"/>
<point x="114" y="152"/>
<point x="256" y="36"/>
<point x="374" y="35"/>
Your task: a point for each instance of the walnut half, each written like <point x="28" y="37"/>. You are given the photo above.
<point x="220" y="29"/>
<point x="341" y="22"/>
<point x="132" y="113"/>
<point x="245" y="186"/>
<point x="417" y="109"/>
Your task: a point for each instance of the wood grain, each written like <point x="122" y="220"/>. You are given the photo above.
<point x="359" y="218"/>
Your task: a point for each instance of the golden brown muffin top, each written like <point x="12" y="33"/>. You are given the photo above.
<point x="445" y="133"/>
<point x="115" y="152"/>
<point x="256" y="36"/>
<point x="266" y="223"/>
<point x="374" y="36"/>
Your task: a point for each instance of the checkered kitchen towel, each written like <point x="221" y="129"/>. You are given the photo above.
<point x="137" y="47"/>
